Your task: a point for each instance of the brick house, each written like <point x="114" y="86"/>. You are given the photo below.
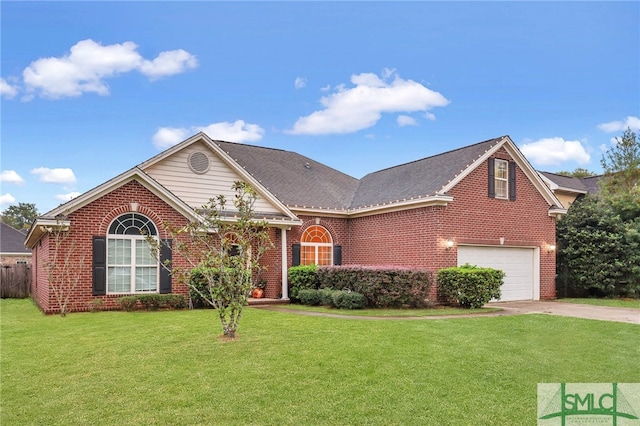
<point x="483" y="204"/>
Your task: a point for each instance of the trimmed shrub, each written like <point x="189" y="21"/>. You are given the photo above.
<point x="348" y="300"/>
<point x="128" y="303"/>
<point x="151" y="302"/>
<point x="470" y="286"/>
<point x="309" y="297"/>
<point x="326" y="296"/>
<point x="382" y="287"/>
<point x="175" y="301"/>
<point x="300" y="278"/>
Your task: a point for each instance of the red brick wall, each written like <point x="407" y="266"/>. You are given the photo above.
<point x="39" y="277"/>
<point x="93" y="220"/>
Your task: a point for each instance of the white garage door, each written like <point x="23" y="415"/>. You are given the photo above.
<point x="519" y="264"/>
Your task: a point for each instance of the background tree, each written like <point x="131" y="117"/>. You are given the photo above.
<point x="577" y="173"/>
<point x="599" y="237"/>
<point x="223" y="252"/>
<point x="20" y="216"/>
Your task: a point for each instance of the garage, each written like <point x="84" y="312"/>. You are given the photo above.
<point x="520" y="264"/>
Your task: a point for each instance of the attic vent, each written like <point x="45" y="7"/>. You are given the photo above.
<point x="199" y="162"/>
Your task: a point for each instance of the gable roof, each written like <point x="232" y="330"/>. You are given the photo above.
<point x="12" y="240"/>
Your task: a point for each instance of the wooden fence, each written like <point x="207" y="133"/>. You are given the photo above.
<point x="15" y="281"/>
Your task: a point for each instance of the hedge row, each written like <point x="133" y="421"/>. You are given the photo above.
<point x="382" y="287"/>
<point x="152" y="302"/>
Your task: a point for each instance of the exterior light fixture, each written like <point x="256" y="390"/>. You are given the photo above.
<point x="552" y="248"/>
<point x="449" y="244"/>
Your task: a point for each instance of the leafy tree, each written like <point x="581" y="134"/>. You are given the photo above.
<point x="591" y="246"/>
<point x="20" y="216"/>
<point x="223" y="252"/>
<point x="577" y="173"/>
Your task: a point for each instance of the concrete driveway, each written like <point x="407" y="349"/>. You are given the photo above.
<point x="604" y="313"/>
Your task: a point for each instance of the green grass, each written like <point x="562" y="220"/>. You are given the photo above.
<point x="617" y="303"/>
<point x="438" y="311"/>
<point x="169" y="367"/>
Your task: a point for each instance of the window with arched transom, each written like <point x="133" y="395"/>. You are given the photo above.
<point x="316" y="246"/>
<point x="131" y="266"/>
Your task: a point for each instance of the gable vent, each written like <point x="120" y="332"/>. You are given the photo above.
<point x="199" y="162"/>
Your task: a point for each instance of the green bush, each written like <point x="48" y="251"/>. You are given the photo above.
<point x="326" y="296"/>
<point x="348" y="300"/>
<point x="151" y="302"/>
<point x="309" y="297"/>
<point x="128" y="303"/>
<point x="199" y="281"/>
<point x="300" y="278"/>
<point x="469" y="286"/>
<point x="175" y="301"/>
<point x="382" y="287"/>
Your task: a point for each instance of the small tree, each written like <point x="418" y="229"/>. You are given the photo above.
<point x="65" y="264"/>
<point x="224" y="249"/>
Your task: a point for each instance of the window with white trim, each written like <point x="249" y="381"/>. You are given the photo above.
<point x="131" y="266"/>
<point x="316" y="246"/>
<point x="502" y="178"/>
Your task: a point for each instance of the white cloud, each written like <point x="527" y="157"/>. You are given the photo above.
<point x="60" y="175"/>
<point x="11" y="176"/>
<point x="349" y="110"/>
<point x="88" y="64"/>
<point x="406" y="120"/>
<point x="620" y="126"/>
<point x="6" y="199"/>
<point x="168" y="63"/>
<point x="554" y="151"/>
<point x="238" y="131"/>
<point x="67" y="197"/>
<point x="325" y="88"/>
<point x="169" y="136"/>
<point x="7" y="90"/>
<point x="300" y="82"/>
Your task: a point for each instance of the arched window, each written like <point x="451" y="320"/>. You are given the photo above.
<point x="131" y="267"/>
<point x="316" y="246"/>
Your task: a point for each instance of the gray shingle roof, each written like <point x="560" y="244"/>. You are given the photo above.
<point x="12" y="240"/>
<point x="293" y="178"/>
<point x="300" y="181"/>
<point x="417" y="178"/>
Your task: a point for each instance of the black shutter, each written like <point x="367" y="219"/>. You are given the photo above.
<point x="165" y="268"/>
<point x="337" y="255"/>
<point x="99" y="263"/>
<point x="492" y="178"/>
<point x="295" y="254"/>
<point x="512" y="180"/>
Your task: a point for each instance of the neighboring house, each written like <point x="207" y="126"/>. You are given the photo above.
<point x="483" y="204"/>
<point x="12" y="249"/>
<point x="569" y="189"/>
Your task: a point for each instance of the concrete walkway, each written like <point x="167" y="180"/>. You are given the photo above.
<point x="605" y="313"/>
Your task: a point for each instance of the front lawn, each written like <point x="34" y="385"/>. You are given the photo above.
<point x="616" y="303"/>
<point x="169" y="367"/>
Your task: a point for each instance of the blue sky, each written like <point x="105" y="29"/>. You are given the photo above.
<point x="90" y="89"/>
